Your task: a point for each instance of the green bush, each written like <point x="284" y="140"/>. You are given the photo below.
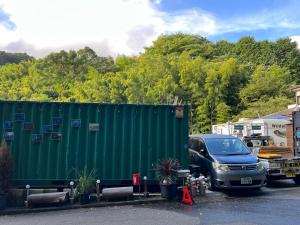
<point x="86" y="181"/>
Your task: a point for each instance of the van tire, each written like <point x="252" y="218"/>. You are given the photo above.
<point x="297" y="180"/>
<point x="210" y="182"/>
<point x="269" y="181"/>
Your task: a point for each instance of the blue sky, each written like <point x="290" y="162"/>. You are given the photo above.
<point x="114" y="27"/>
<point x="5" y="20"/>
<point x="222" y="8"/>
<point x="268" y="13"/>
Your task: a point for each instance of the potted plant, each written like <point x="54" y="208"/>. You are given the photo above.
<point x="86" y="184"/>
<point x="166" y="172"/>
<point x="6" y="168"/>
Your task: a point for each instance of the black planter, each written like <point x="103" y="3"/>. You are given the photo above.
<point x="3" y="201"/>
<point x="84" y="199"/>
<point x="168" y="191"/>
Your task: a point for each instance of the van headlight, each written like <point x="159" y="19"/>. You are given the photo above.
<point x="259" y="166"/>
<point x="220" y="167"/>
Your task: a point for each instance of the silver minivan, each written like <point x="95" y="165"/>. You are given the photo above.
<point x="226" y="162"/>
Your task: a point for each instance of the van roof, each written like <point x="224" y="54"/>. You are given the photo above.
<point x="212" y="136"/>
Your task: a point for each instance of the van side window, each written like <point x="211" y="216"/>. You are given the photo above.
<point x="197" y="145"/>
<point x="202" y="147"/>
<point x="194" y="144"/>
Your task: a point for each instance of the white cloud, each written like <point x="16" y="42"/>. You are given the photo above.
<point x="296" y="38"/>
<point x="110" y="26"/>
<point x="101" y="48"/>
<point x="118" y="26"/>
<point x="193" y="21"/>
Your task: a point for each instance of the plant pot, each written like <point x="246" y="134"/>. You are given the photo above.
<point x="84" y="199"/>
<point x="3" y="201"/>
<point x="168" y="191"/>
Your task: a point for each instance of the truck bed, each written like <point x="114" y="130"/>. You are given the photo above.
<point x="275" y="152"/>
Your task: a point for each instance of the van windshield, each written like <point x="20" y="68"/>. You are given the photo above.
<point x="226" y="146"/>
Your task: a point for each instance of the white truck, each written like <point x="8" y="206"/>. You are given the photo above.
<point x="275" y="128"/>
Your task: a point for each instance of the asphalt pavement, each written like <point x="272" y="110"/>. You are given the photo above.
<point x="278" y="205"/>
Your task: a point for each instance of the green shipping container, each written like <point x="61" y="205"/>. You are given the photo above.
<point x="50" y="140"/>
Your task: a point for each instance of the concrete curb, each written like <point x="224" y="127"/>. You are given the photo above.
<point x="210" y="196"/>
<point x="78" y="206"/>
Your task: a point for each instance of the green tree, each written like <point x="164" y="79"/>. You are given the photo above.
<point x="223" y="48"/>
<point x="223" y="113"/>
<point x="150" y="81"/>
<point x="266" y="82"/>
<point x="219" y="81"/>
<point x="233" y="79"/>
<point x="265" y="106"/>
<point x="14" y="81"/>
<point x="13" y="58"/>
<point x="175" y="44"/>
<point x="124" y="62"/>
<point x="220" y="99"/>
<point x="288" y="56"/>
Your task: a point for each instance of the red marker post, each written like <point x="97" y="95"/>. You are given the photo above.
<point x="136" y="180"/>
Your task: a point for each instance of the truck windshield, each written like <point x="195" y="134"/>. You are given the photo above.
<point x="258" y="142"/>
<point x="226" y="146"/>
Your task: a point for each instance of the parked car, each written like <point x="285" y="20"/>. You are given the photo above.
<point x="226" y="162"/>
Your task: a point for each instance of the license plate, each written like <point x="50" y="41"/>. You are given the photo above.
<point x="290" y="174"/>
<point x="246" y="180"/>
<point x="290" y="165"/>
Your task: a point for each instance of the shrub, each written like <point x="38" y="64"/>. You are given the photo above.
<point x="86" y="182"/>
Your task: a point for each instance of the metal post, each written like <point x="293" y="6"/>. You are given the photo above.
<point x="27" y="194"/>
<point x="139" y="184"/>
<point x="98" y="189"/>
<point x="203" y="185"/>
<point x="139" y="188"/>
<point x="191" y="186"/>
<point x="146" y="193"/>
<point x="72" y="192"/>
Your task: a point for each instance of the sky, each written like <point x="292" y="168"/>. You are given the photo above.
<point x="113" y="27"/>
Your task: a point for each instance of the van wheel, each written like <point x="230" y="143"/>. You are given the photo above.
<point x="297" y="180"/>
<point x="210" y="182"/>
<point x="256" y="189"/>
<point x="269" y="181"/>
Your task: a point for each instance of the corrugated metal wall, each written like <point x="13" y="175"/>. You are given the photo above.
<point x="49" y="140"/>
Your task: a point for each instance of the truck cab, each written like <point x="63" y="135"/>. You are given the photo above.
<point x="280" y="162"/>
<point x="256" y="141"/>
